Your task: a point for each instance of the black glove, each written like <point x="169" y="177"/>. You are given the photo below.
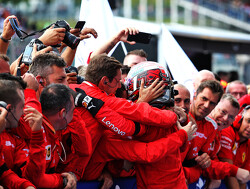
<point x="93" y="105"/>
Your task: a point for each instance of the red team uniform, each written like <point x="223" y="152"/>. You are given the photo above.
<point x="231" y="148"/>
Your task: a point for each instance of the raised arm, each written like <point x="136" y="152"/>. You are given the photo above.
<point x="121" y="36"/>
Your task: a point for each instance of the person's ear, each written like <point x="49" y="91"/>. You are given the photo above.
<point x="40" y="80"/>
<point x="104" y="80"/>
<point x="62" y="113"/>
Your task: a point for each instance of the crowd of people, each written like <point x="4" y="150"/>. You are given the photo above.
<point x="123" y="120"/>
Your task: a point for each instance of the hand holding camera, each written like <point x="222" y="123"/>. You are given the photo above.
<point x="52" y="36"/>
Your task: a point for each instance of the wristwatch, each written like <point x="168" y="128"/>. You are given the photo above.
<point x="5" y="40"/>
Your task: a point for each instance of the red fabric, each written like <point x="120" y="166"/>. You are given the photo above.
<point x="168" y="171"/>
<point x="76" y="132"/>
<point x="203" y="141"/>
<point x="245" y="100"/>
<point x="218" y="170"/>
<point x="141" y="112"/>
<point x="78" y="150"/>
<point x="231" y="148"/>
<point x="48" y="157"/>
<point x="111" y="147"/>
<point x="19" y="156"/>
<point x="10" y="180"/>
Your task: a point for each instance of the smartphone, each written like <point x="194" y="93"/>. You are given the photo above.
<point x="79" y="25"/>
<point x="141" y="37"/>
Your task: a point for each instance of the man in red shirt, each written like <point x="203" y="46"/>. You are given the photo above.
<point x="167" y="172"/>
<point x="207" y="96"/>
<point x="13" y="151"/>
<point x="235" y="145"/>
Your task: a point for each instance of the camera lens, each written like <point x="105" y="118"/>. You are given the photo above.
<point x="71" y="40"/>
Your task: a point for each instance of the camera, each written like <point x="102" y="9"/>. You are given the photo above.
<point x="70" y="69"/>
<point x="69" y="39"/>
<point x="27" y="55"/>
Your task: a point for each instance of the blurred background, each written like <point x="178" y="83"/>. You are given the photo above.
<point x="213" y="33"/>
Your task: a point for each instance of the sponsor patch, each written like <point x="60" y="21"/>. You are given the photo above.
<point x="48" y="152"/>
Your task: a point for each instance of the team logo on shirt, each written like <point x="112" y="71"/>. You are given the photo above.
<point x="243" y="156"/>
<point x="48" y="152"/>
<point x="234" y="149"/>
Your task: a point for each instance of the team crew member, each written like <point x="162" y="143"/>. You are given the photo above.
<point x="223" y="114"/>
<point x="24" y="160"/>
<point x="207" y="96"/>
<point x="235" y="146"/>
<point x="207" y="91"/>
<point x="47" y="69"/>
<point x="8" y="178"/>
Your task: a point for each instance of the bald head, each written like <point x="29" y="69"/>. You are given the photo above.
<point x="183" y="98"/>
<point x="203" y="75"/>
<point x="237" y="88"/>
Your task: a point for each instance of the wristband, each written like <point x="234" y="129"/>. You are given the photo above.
<point x="5" y="40"/>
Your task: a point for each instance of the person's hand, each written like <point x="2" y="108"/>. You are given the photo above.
<point x="31" y="81"/>
<point x="123" y="35"/>
<point x="72" y="181"/>
<point x="203" y="160"/>
<point x="8" y="31"/>
<point x="212" y="184"/>
<point x="52" y="36"/>
<point x="71" y="78"/>
<point x="189" y="128"/>
<point x="107" y="180"/>
<point x="13" y="67"/>
<point x="243" y="175"/>
<point x="85" y="33"/>
<point x="34" y="117"/>
<point x="35" y="52"/>
<point x="152" y="92"/>
<point x="3" y="114"/>
<point x="182" y="116"/>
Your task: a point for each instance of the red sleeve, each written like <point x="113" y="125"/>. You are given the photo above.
<point x="35" y="168"/>
<point x="10" y="180"/>
<point x="24" y="130"/>
<point x="31" y="100"/>
<point x="219" y="170"/>
<point x="112" y="147"/>
<point x="192" y="174"/>
<point x="115" y="122"/>
<point x="141" y="112"/>
<point x="227" y="142"/>
<point x="79" y="135"/>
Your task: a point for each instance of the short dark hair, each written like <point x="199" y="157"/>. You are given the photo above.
<point x="100" y="66"/>
<point x="17" y="81"/>
<point x="125" y="69"/>
<point x="42" y="63"/>
<point x="139" y="52"/>
<point x="9" y="86"/>
<point x="214" y="86"/>
<point x="54" y="97"/>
